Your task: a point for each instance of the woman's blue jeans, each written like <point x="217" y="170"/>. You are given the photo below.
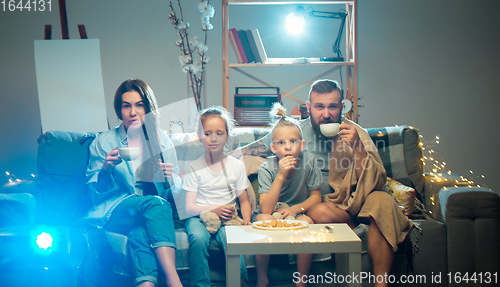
<point x="199" y="238"/>
<point x="147" y="222"/>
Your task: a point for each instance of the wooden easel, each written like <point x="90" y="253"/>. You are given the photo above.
<point x="64" y="25"/>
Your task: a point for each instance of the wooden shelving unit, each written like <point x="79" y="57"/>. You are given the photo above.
<point x="350" y="52"/>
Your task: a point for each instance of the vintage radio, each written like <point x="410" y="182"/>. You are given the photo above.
<point x="252" y="107"/>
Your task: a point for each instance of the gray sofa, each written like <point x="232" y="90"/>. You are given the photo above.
<point x="459" y="225"/>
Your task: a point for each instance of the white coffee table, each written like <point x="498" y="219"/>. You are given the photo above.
<point x="248" y="240"/>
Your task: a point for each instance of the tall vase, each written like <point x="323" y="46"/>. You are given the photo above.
<point x="192" y="109"/>
<point x="193" y="115"/>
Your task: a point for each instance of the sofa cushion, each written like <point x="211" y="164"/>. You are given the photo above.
<point x="472" y="216"/>
<point x="17" y="209"/>
<point x="249" y="135"/>
<point x="403" y="194"/>
<point x="466" y="209"/>
<point x="188" y="149"/>
<point x="62" y="162"/>
<point x="400" y="150"/>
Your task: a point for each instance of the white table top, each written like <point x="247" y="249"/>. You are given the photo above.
<point x="313" y="239"/>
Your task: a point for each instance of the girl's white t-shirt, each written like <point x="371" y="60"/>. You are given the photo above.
<point x="211" y="187"/>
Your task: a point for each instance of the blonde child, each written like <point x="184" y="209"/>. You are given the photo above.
<point x="213" y="182"/>
<point x="292" y="177"/>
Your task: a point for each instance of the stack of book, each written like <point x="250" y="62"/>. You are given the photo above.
<point x="247" y="46"/>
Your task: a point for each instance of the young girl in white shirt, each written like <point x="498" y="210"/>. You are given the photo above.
<point x="213" y="183"/>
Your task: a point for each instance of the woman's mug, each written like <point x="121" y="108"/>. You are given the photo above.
<point x="128" y="153"/>
<point x="330" y="130"/>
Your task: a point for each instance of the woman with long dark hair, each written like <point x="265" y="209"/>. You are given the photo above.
<point x="123" y="192"/>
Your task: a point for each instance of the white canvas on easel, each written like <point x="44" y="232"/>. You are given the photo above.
<point x="70" y="85"/>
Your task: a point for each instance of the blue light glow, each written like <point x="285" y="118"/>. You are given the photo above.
<point x="44" y="241"/>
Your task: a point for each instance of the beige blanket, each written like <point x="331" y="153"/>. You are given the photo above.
<point x="357" y="196"/>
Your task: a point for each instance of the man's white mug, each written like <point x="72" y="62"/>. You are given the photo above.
<point x="330" y="130"/>
<point x="128" y="153"/>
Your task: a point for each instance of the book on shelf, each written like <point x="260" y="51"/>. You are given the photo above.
<point x="260" y="46"/>
<point x="246" y="46"/>
<point x="302" y="60"/>
<point x="238" y="44"/>
<point x="253" y="46"/>
<point x="235" y="48"/>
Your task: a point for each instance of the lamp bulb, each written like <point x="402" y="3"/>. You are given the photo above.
<point x="295" y="23"/>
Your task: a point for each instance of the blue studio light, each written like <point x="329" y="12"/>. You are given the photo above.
<point x="44" y="241"/>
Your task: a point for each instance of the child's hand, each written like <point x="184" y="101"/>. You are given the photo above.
<point x="287" y="211"/>
<point x="286" y="164"/>
<point x="246" y="222"/>
<point x="224" y="212"/>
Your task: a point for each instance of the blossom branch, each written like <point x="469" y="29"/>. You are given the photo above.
<point x="193" y="59"/>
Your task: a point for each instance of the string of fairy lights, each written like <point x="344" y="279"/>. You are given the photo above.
<point x="434" y="165"/>
<point x="12" y="179"/>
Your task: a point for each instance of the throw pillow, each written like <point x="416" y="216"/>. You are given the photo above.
<point x="403" y="194"/>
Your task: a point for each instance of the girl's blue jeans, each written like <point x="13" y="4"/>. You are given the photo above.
<point x="199" y="238"/>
